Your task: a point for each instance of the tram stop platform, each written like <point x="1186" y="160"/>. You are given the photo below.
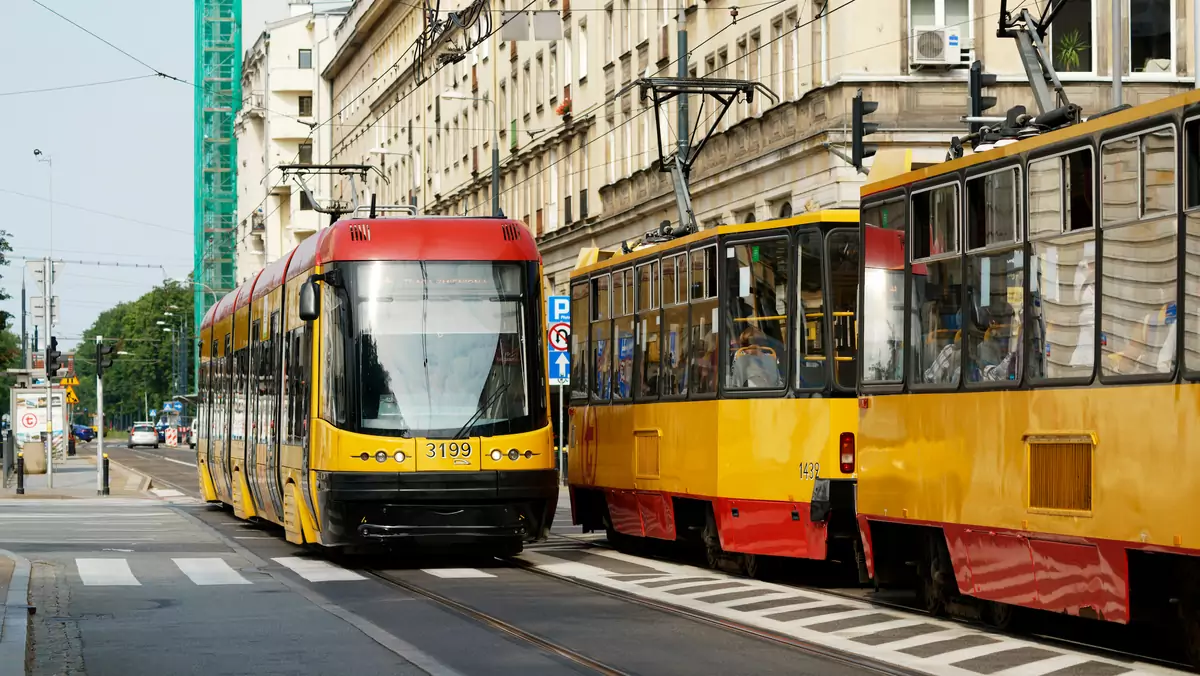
<point x="75" y="477"/>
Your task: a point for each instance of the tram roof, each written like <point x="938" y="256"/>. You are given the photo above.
<point x="619" y="259"/>
<point x="1117" y="119"/>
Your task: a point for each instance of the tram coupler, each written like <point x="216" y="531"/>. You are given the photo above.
<point x="104" y="489"/>
<point x="20" y="474"/>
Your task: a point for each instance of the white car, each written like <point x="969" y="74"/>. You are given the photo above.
<point x="192" y="435"/>
<point x="143" y="435"/>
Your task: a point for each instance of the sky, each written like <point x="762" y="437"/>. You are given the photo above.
<point x="123" y="148"/>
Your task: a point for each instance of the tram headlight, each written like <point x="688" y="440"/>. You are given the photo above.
<point x="513" y="454"/>
<point x="381" y="456"/>
<point x="399" y="456"/>
<point x="496" y="454"/>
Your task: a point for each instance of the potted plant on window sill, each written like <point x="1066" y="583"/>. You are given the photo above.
<point x="564" y="110"/>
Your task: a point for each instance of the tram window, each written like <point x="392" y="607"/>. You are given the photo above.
<point x="256" y="361"/>
<point x="996" y="282"/>
<point x="1191" y="334"/>
<point x="1191" y="141"/>
<point x="1079" y="190"/>
<point x="333" y="350"/>
<point x="673" y="343"/>
<point x="1061" y="193"/>
<point x="757" y="305"/>
<point x="1138" y="323"/>
<point x="1120" y="160"/>
<point x="993" y="209"/>
<point x="579" y="337"/>
<point x="842" y="247"/>
<point x="885" y="232"/>
<point x="649" y="349"/>
<point x="811" y="368"/>
<point x="600" y="366"/>
<point x="935" y="222"/>
<point x="1158" y="173"/>
<point x="702" y="341"/>
<point x="623" y="323"/>
<point x="1062" y="327"/>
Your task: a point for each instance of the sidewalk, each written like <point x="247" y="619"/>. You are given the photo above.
<point x="76" y="478"/>
<point x="14" y="615"/>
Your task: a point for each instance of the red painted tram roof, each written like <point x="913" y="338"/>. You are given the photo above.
<point x="388" y="239"/>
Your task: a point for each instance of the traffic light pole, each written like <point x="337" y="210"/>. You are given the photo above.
<point x="100" y="413"/>
<point x="47" y="280"/>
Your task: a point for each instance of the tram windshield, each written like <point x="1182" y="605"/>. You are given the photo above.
<point x="883" y="292"/>
<point x="441" y="347"/>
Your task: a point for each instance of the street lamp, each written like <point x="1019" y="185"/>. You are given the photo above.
<point x="457" y="96"/>
<point x="43" y="157"/>
<point x="412" y="169"/>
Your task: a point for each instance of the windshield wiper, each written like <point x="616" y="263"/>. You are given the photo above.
<point x="482" y="407"/>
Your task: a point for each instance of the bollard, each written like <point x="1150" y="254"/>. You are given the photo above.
<point x="20" y="474"/>
<point x="105" y="490"/>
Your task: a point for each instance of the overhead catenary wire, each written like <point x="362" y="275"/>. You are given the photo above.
<point x="81" y="85"/>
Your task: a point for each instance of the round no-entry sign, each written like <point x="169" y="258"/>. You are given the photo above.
<point x="29" y="420"/>
<point x="560" y="335"/>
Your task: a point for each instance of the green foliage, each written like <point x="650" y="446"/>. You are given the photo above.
<point x="143" y="375"/>
<point x="1070" y="49"/>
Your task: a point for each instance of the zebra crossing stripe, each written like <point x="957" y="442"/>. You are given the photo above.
<point x="457" y="573"/>
<point x="106" y="572"/>
<point x="315" y="570"/>
<point x="209" y="571"/>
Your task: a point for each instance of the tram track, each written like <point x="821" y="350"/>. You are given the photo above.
<point x="850" y="595"/>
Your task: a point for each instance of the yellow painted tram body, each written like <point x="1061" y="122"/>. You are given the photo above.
<point x="332" y="425"/>
<point x="675" y="437"/>
<point x="1027" y="434"/>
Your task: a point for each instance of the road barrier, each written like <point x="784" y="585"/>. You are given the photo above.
<point x="20" y="474"/>
<point x="105" y="484"/>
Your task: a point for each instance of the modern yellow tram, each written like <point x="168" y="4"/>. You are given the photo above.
<point x="385" y="382"/>
<point x="712" y="397"/>
<point x="1029" y="433"/>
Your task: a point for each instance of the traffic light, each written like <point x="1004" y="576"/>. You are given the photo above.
<point x="859" y="109"/>
<point x="977" y="81"/>
<point x="103" y="358"/>
<point x="54" y="360"/>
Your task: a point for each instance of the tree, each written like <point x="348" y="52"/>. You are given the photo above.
<point x="143" y="375"/>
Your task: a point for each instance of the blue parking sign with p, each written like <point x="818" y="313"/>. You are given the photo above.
<point x="558" y="322"/>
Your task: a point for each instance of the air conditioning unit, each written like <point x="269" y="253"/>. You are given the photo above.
<point x="935" y="46"/>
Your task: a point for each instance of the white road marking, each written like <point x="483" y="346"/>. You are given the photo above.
<point x="971" y="653"/>
<point x="315" y="570"/>
<point x="210" y="571"/>
<point x="456" y="573"/>
<point x="106" y="572"/>
<point x="1045" y="666"/>
<point x="166" y="492"/>
<point x="163" y="457"/>
<point x="560" y="567"/>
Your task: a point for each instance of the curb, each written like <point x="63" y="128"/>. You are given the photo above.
<point x="14" y="636"/>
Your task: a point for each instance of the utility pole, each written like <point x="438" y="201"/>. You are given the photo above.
<point x="682" y="149"/>
<point x="25" y="354"/>
<point x="47" y="280"/>
<point x="1118" y="67"/>
<point x="103" y="361"/>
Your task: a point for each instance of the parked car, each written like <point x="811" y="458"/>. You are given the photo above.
<point x="83" y="433"/>
<point x="143" y="434"/>
<point x="192" y="437"/>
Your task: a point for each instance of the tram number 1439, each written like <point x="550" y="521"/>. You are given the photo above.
<point x="448" y="450"/>
<point x="809" y="471"/>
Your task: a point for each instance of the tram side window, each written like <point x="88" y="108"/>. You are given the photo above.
<point x="757" y="306"/>
<point x="936" y="297"/>
<point x="995" y="278"/>
<point x="1191" y="263"/>
<point x="579" y="337"/>
<point x="255" y="382"/>
<point x="649" y="348"/>
<point x="600" y="366"/>
<point x="1062" y="277"/>
<point x="622" y="305"/>
<point x="842" y="257"/>
<point x="702" y="265"/>
<point x="885" y="228"/>
<point x="811" y="364"/>
<point x="673" y="341"/>
<point x="333" y="351"/>
<point x="1138" y="323"/>
<point x="298" y="375"/>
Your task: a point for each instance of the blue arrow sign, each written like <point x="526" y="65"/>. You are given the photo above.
<point x="558" y="321"/>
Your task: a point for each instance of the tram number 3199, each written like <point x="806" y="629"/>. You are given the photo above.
<point x="809" y="471"/>
<point x="450" y="450"/>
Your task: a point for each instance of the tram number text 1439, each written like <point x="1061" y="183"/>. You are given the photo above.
<point x="809" y="471"/>
<point x="450" y="450"/>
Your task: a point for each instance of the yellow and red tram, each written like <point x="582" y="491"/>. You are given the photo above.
<point x="1028" y="434"/>
<point x="713" y="390"/>
<point x="385" y="382"/>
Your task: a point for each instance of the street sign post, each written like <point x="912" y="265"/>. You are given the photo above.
<point x="558" y="345"/>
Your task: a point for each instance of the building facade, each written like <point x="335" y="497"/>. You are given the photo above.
<point x="283" y="100"/>
<point x="579" y="156"/>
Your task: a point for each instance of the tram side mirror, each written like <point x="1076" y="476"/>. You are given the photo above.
<point x="308" y="300"/>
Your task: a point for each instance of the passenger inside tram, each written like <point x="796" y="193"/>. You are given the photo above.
<point x="755" y="362"/>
